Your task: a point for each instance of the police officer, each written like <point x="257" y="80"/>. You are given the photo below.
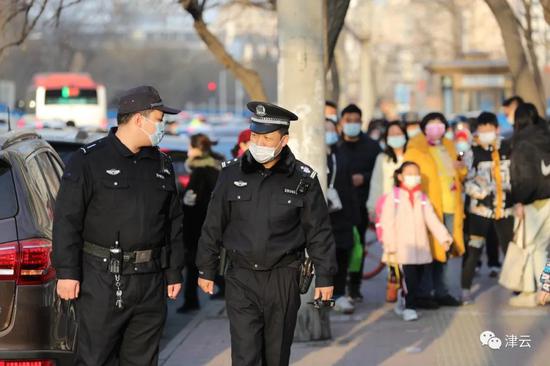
<point x="117" y="236"/>
<point x="267" y="208"/>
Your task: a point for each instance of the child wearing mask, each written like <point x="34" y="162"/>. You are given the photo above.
<point x="488" y="188"/>
<point x="406" y="217"/>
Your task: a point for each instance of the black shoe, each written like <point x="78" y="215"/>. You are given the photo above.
<point x="426" y="303"/>
<point x="356" y="296"/>
<point x="188" y="307"/>
<point x="448" y="300"/>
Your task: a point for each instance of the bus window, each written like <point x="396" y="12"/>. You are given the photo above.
<point x="71" y="96"/>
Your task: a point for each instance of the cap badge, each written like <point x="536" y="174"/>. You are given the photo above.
<point x="260" y="110"/>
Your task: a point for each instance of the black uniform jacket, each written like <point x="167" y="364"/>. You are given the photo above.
<point x="262" y="215"/>
<point x="107" y="189"/>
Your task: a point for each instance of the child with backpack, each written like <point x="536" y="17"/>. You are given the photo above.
<point x="406" y="216"/>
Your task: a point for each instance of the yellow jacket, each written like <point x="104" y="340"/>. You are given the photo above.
<point x="418" y="152"/>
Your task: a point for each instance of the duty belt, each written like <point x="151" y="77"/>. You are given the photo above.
<point x="135" y="257"/>
<point x="237" y="260"/>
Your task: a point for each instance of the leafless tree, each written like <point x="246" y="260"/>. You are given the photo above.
<point x="24" y="15"/>
<point x="522" y="60"/>
<point x="249" y="78"/>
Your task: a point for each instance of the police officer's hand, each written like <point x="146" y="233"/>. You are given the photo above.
<point x="174" y="290"/>
<point x="206" y="285"/>
<point x="324" y="293"/>
<point x="68" y="289"/>
<point x="358" y="180"/>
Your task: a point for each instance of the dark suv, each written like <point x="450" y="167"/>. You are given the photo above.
<point x="36" y="327"/>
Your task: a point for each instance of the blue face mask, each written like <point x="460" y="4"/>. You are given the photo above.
<point x="352" y="129"/>
<point x="397" y="142"/>
<point x="156" y="136"/>
<point x="462" y="146"/>
<point x="331" y="138"/>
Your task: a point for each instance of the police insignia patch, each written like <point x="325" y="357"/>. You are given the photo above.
<point x="240" y="183"/>
<point x="113" y="172"/>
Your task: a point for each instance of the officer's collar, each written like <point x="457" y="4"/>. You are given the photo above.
<point x="285" y="165"/>
<point x="144" y="152"/>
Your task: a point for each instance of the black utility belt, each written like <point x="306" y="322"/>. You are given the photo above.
<point x="135" y="257"/>
<point x="237" y="260"/>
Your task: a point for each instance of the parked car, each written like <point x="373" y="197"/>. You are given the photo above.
<point x="36" y="327"/>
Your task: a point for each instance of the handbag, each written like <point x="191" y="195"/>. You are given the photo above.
<point x="334" y="202"/>
<point x="511" y="275"/>
<point x="394" y="282"/>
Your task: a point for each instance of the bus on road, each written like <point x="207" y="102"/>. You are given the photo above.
<point x="68" y="97"/>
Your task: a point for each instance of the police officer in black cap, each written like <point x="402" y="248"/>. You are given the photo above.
<point x="267" y="208"/>
<point x="117" y="236"/>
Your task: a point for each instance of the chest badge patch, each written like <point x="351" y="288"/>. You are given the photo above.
<point x="291" y="191"/>
<point x="113" y="172"/>
<point x="160" y="176"/>
<point x="240" y="183"/>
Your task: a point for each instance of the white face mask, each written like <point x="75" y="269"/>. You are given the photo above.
<point x="487" y="138"/>
<point x="411" y="181"/>
<point x="263" y="154"/>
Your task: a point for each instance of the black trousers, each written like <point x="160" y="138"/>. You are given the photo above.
<point x="412" y="275"/>
<point x="340" y="279"/>
<point x="262" y="307"/>
<point x="480" y="233"/>
<point x="190" y="296"/>
<point x="355" y="278"/>
<point x="107" y="336"/>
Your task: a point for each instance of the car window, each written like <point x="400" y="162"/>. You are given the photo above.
<point x="44" y="180"/>
<point x="8" y="197"/>
<point x="49" y="173"/>
<point x="57" y="165"/>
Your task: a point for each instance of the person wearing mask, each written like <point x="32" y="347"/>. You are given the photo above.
<point x="344" y="214"/>
<point x="488" y="187"/>
<point x="376" y="130"/>
<point x="442" y="176"/>
<point x="331" y="112"/>
<point x="204" y="165"/>
<point x="267" y="208"/>
<point x="406" y="217"/>
<point x="509" y="107"/>
<point x="361" y="151"/>
<point x="117" y="236"/>
<point x="382" y="180"/>
<point x="412" y="124"/>
<point x="530" y="175"/>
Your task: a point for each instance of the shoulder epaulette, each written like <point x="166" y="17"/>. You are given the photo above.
<point x="307" y="171"/>
<point x="86" y="149"/>
<point x="228" y="163"/>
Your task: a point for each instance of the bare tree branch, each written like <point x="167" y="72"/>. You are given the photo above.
<point x="336" y="15"/>
<point x="28" y="25"/>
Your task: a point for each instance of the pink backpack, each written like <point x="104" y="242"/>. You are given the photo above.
<point x="380" y="205"/>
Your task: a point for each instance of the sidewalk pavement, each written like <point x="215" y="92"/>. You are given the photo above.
<point x="374" y="335"/>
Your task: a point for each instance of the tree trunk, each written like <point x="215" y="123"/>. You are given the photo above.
<point x="524" y="83"/>
<point x="301" y="89"/>
<point x="250" y="79"/>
